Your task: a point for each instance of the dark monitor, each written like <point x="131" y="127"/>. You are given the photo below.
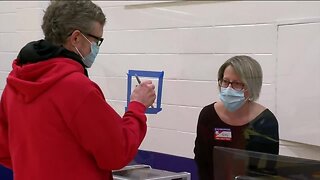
<point x="236" y="164"/>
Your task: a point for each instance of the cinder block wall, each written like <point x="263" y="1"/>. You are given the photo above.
<point x="186" y="40"/>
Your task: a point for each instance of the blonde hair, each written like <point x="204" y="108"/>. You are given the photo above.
<point x="249" y="71"/>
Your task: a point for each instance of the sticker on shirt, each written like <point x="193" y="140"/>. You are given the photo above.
<point x="222" y="134"/>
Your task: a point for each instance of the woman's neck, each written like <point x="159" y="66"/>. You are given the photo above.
<point x="240" y="116"/>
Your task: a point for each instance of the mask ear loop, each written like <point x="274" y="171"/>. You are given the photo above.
<point x="78" y="52"/>
<point x="90" y="45"/>
<point x="86" y="38"/>
<point x="248" y="98"/>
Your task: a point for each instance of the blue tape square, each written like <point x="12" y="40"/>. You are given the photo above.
<point x="152" y="74"/>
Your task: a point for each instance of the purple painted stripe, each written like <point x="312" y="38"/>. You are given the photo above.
<point x="5" y="174"/>
<point x="155" y="160"/>
<point x="167" y="162"/>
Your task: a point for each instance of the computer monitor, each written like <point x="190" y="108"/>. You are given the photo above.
<point x="236" y="164"/>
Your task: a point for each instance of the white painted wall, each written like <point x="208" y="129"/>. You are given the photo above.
<point x="188" y="41"/>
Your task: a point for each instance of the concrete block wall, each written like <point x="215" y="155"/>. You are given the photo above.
<point x="187" y="40"/>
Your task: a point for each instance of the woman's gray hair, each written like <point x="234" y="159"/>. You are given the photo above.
<point x="249" y="71"/>
<point x="61" y="18"/>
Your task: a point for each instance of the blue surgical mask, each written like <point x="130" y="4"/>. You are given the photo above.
<point x="231" y="98"/>
<point x="89" y="59"/>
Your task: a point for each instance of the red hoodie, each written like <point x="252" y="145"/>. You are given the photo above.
<point x="55" y="124"/>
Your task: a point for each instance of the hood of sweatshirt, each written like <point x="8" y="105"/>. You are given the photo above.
<point x="39" y="66"/>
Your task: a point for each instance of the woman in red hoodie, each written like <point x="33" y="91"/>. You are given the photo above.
<point x="54" y="121"/>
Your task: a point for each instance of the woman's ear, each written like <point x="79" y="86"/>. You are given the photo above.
<point x="247" y="94"/>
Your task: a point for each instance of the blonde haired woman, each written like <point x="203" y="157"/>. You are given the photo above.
<point x="236" y="121"/>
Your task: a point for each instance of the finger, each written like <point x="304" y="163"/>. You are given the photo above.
<point x="152" y="86"/>
<point x="147" y="82"/>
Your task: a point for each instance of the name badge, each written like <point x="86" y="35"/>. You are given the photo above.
<point x="222" y="134"/>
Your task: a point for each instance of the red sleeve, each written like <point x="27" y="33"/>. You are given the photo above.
<point x="5" y="158"/>
<point x="112" y="140"/>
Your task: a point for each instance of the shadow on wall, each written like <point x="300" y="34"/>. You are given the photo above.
<point x="5" y="174"/>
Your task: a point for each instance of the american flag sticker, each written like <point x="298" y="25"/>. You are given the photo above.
<point x="222" y="134"/>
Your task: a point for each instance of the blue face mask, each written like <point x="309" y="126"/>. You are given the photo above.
<point x="89" y="59"/>
<point x="231" y="98"/>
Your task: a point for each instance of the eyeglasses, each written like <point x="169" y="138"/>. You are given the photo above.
<point x="99" y="39"/>
<point x="235" y="85"/>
